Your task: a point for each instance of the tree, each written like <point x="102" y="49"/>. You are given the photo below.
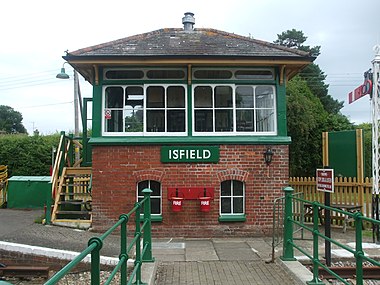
<point x="313" y="75"/>
<point x="310" y="110"/>
<point x="11" y="120"/>
<point x="306" y="120"/>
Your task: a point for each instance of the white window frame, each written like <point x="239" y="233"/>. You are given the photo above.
<point x="234" y="132"/>
<point x="144" y="132"/>
<point x="231" y="199"/>
<point x="160" y="197"/>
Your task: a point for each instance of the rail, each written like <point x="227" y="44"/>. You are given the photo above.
<point x="289" y="245"/>
<point x="142" y="229"/>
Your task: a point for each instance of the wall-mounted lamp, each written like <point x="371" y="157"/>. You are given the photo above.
<point x="63" y="74"/>
<point x="268" y="154"/>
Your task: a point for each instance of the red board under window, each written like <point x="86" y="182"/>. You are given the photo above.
<point x="190" y="193"/>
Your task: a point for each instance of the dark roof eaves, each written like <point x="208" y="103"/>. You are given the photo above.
<point x="185" y="57"/>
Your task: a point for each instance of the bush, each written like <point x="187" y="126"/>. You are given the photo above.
<point x="27" y="155"/>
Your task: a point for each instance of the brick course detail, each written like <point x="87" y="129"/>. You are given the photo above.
<point x="118" y="169"/>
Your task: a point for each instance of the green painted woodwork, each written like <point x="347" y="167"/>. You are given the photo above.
<point x="280" y="100"/>
<point x="232" y="218"/>
<point x="204" y="154"/>
<point x="281" y="110"/>
<point x="29" y="192"/>
<point x="243" y="140"/>
<point x="342" y="153"/>
<point x="97" y="111"/>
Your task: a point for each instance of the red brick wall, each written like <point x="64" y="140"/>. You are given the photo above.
<point x="118" y="169"/>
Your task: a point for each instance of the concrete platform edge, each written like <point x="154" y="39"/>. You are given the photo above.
<point x="297" y="270"/>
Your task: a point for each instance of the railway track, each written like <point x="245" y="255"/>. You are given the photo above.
<point x="350" y="272"/>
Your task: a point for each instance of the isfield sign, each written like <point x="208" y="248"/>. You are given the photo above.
<point x="205" y="154"/>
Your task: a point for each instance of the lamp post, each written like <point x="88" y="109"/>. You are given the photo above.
<point x="64" y="75"/>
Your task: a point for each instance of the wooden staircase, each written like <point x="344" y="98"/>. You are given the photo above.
<point x="72" y="205"/>
<point x="71" y="188"/>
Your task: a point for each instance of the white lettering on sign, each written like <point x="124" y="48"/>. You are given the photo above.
<point x="179" y="154"/>
<point x="205" y="203"/>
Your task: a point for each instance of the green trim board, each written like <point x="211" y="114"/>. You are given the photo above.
<point x="232" y="218"/>
<point x="236" y="140"/>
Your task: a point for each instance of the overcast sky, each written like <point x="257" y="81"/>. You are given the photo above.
<point x="35" y="34"/>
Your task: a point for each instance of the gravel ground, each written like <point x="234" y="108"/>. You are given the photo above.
<point x="79" y="278"/>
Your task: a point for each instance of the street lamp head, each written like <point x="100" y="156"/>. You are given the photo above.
<point x="63" y="74"/>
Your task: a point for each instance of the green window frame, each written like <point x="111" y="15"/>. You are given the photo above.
<point x="155" y="197"/>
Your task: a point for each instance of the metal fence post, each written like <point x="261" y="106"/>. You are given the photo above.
<point x="147" y="257"/>
<point x="315" y="260"/>
<point x="288" y="251"/>
<point x="138" y="261"/>
<point x="359" y="248"/>
<point x="95" y="260"/>
<point x="123" y="249"/>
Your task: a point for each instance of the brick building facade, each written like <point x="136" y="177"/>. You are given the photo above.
<point x="189" y="113"/>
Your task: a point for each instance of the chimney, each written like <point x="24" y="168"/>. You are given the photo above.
<point x="188" y="21"/>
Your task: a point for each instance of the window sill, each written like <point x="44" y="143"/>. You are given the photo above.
<point x="232" y="218"/>
<point x="153" y="218"/>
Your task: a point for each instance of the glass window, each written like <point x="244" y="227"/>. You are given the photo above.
<point x="155" y="196"/>
<point x="253" y="74"/>
<point x="113" y="112"/>
<point x="133" y="112"/>
<point x="232" y="197"/>
<point x="166" y="74"/>
<point x="124" y="74"/>
<point x="212" y="74"/>
<point x="234" y="109"/>
<point x="164" y="109"/>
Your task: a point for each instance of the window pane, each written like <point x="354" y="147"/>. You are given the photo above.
<point x="244" y="120"/>
<point x="124" y="74"/>
<point x="203" y="97"/>
<point x="238" y="205"/>
<point x="155" y="186"/>
<point x="238" y="188"/>
<point x="223" y="121"/>
<point x="165" y="74"/>
<point x="254" y="74"/>
<point x="176" y="97"/>
<point x="176" y="121"/>
<point x="265" y="120"/>
<point x="141" y="186"/>
<point x="226" y="188"/>
<point x="223" y="96"/>
<point x="204" y="121"/>
<point x="155" y="121"/>
<point x="114" y="97"/>
<point x="155" y="204"/>
<point x="114" y="123"/>
<point x="264" y="97"/>
<point x="155" y="97"/>
<point x="244" y="97"/>
<point x="134" y="109"/>
<point x="212" y="74"/>
<point x="226" y="205"/>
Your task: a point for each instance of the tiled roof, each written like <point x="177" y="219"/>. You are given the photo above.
<point x="181" y="43"/>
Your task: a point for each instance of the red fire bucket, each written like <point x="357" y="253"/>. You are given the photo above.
<point x="176" y="204"/>
<point x="205" y="204"/>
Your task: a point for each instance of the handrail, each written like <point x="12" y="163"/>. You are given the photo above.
<point x="96" y="243"/>
<point x="289" y="245"/>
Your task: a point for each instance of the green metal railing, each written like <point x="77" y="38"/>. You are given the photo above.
<point x="142" y="229"/>
<point x="289" y="245"/>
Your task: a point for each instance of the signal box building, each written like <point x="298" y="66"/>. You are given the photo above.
<point x="196" y="115"/>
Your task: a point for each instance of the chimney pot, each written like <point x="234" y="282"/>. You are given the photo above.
<point x="188" y="21"/>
